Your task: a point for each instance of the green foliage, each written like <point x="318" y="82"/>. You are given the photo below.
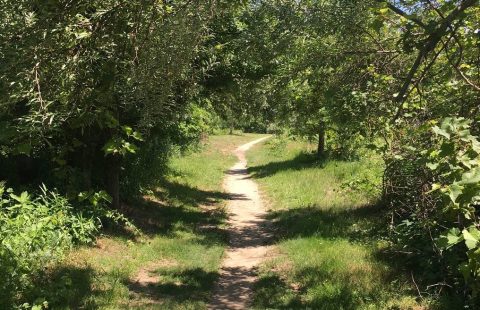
<point x="366" y="181"/>
<point x="433" y="189"/>
<point x="35" y="232"/>
<point x="97" y="95"/>
<point x="86" y="88"/>
<point x="455" y="162"/>
<point x="277" y="145"/>
<point x="120" y="146"/>
<point x="145" y="168"/>
<point x="199" y="121"/>
<point x="181" y="245"/>
<point x="95" y="205"/>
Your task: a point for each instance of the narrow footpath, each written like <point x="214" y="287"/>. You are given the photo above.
<point x="249" y="237"/>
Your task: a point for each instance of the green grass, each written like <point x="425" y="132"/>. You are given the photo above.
<point x="175" y="263"/>
<point x="206" y="169"/>
<point x="330" y="248"/>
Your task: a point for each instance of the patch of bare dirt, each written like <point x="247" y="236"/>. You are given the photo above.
<point x="109" y="246"/>
<point x="146" y="276"/>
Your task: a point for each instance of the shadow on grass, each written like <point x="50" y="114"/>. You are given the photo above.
<point x="273" y="292"/>
<point x="174" y="208"/>
<point x="77" y="288"/>
<point x="192" y="196"/>
<point x="333" y="287"/>
<point x="301" y="161"/>
<point x="356" y="224"/>
<point x="304" y="287"/>
<point x="178" y="207"/>
<point x="191" y="284"/>
<point x="68" y="287"/>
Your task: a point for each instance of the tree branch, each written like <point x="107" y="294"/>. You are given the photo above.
<point x="404" y="14"/>
<point x="430" y="44"/>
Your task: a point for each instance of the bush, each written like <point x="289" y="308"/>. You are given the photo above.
<point x="36" y="231"/>
<point x="434" y="193"/>
<point x="277" y="144"/>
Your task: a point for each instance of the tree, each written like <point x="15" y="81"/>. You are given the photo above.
<point x="83" y="82"/>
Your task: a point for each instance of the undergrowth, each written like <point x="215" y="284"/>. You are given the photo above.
<point x="36" y="230"/>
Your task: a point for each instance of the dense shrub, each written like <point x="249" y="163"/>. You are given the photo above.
<point x="35" y="232"/>
<point x="434" y="193"/>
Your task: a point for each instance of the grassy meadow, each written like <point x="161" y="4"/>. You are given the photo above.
<point x="328" y="253"/>
<point x="175" y="261"/>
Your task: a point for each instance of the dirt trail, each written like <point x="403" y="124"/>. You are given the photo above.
<point x="249" y="237"/>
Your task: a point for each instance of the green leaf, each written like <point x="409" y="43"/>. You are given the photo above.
<point x="127" y="130"/>
<point x="454" y="190"/>
<point x="82" y="35"/>
<point x="447" y="149"/>
<point x="377" y="25"/>
<point x="435" y="187"/>
<point x="137" y="136"/>
<point x="111" y="147"/>
<point x="23" y="198"/>
<point x="105" y="196"/>
<point x="432" y="166"/>
<point x="471" y="177"/>
<point x="450" y="238"/>
<point x="383" y="11"/>
<point x="129" y="147"/>
<point x="471" y="238"/>
<point x="437" y="130"/>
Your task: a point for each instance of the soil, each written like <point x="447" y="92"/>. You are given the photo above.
<point x="249" y="234"/>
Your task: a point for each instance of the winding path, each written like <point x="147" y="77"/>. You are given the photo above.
<point x="249" y="237"/>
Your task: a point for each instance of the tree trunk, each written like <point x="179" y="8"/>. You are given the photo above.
<point x="321" y="141"/>
<point x="112" y="176"/>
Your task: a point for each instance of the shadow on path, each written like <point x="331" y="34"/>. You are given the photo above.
<point x="249" y="236"/>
